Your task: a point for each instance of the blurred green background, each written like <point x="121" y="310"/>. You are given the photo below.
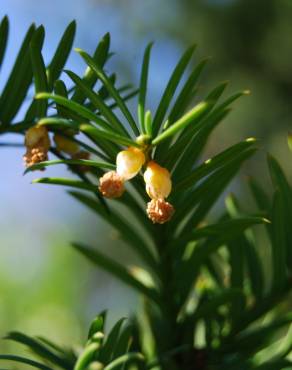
<point x="45" y="287"/>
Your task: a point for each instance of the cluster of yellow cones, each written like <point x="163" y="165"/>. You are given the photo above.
<point x="157" y="179"/>
<point x="129" y="163"/>
<point x="37" y="143"/>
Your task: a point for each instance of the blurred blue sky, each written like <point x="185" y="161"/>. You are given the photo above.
<point x="33" y="218"/>
<point x="21" y="200"/>
<point x="94" y="19"/>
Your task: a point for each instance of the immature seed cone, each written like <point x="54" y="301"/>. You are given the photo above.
<point x="66" y="145"/>
<point x="37" y="142"/>
<point x="129" y="162"/>
<point x="159" y="211"/>
<point x="157" y="180"/>
<point x="111" y="185"/>
<point x="37" y="136"/>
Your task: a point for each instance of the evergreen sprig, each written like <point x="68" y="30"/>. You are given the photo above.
<point x="208" y="300"/>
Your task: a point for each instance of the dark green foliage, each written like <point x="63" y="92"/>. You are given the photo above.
<point x="30" y="68"/>
<point x="112" y="351"/>
<point x="18" y="82"/>
<point x="209" y="302"/>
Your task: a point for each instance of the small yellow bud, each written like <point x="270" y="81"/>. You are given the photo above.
<point x="144" y="140"/>
<point x="129" y="162"/>
<point x="158" y="181"/>
<point x="158" y="187"/>
<point x="37" y="142"/>
<point x="203" y="283"/>
<point x="159" y="211"/>
<point x="96" y="366"/>
<point x="36" y="136"/>
<point x="111" y="185"/>
<point x="66" y="145"/>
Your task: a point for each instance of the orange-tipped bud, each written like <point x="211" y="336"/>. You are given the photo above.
<point x="158" y="181"/>
<point x="111" y="185"/>
<point x="66" y="145"/>
<point x="129" y="162"/>
<point x="159" y="211"/>
<point x="158" y="187"/>
<point x="35" y="155"/>
<point x="37" y="142"/>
